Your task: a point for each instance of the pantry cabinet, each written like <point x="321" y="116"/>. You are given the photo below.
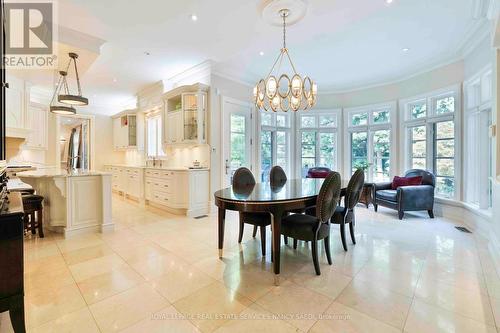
<point x="185" y="115"/>
<point x="16" y="100"/>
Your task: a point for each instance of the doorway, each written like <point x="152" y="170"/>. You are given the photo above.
<point x="74" y="142"/>
<point x="237" y="138"/>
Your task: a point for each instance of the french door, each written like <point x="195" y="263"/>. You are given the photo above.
<point x="237" y="138"/>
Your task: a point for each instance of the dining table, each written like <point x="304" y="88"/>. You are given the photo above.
<point x="292" y="195"/>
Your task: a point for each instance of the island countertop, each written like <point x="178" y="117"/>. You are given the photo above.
<point x="51" y="173"/>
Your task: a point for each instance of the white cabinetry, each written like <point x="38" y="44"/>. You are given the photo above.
<point x="181" y="191"/>
<point x="15" y="108"/>
<point x="185" y="110"/>
<point x="37" y="124"/>
<point x="128" y="131"/>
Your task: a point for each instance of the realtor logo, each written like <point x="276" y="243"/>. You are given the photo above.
<point x="29" y="35"/>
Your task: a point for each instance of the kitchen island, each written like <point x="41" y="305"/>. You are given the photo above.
<point x="75" y="201"/>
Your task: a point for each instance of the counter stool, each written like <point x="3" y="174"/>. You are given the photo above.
<point x="32" y="204"/>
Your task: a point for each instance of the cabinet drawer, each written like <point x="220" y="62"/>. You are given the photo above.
<point x="161" y="198"/>
<point x="163" y="185"/>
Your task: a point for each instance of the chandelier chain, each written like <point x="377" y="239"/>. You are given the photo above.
<point x="284" y="30"/>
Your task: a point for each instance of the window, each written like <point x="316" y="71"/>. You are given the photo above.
<point x="418" y="147"/>
<point x="430" y="127"/>
<point x="317" y="140"/>
<point x="444" y="157"/>
<point x="274" y="143"/>
<point x="237" y="137"/>
<point x="154" y="135"/>
<point x="370" y="136"/>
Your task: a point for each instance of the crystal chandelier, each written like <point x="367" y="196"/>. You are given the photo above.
<point x="279" y="92"/>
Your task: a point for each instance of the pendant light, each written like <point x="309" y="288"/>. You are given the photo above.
<point x="54" y="106"/>
<point x="279" y="92"/>
<point x="67" y="97"/>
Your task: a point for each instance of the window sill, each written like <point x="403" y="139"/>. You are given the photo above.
<point x="485" y="213"/>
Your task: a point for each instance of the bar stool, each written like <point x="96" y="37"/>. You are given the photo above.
<point x="32" y="204"/>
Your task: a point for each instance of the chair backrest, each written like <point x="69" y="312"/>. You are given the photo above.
<point x="277" y="176"/>
<point x="428" y="178"/>
<point x="328" y="197"/>
<point x="318" y="172"/>
<point x="243" y="177"/>
<point x="354" y="188"/>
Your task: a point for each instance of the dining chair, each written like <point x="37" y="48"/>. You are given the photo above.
<point x="243" y="177"/>
<point x="345" y="214"/>
<point x="314" y="228"/>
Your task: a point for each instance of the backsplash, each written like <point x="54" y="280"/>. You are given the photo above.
<point x="176" y="157"/>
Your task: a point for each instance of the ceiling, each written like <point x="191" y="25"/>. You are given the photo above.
<point x="342" y="44"/>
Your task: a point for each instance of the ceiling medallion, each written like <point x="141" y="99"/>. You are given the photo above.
<point x="66" y="97"/>
<point x="54" y="106"/>
<point x="279" y="92"/>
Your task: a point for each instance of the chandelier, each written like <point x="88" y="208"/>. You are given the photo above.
<point x="54" y="106"/>
<point x="280" y="92"/>
<point x="68" y="98"/>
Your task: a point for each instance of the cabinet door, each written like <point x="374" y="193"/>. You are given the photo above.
<point x="37" y="124"/>
<point x="148" y="189"/>
<point x="14" y="107"/>
<point x="174" y="127"/>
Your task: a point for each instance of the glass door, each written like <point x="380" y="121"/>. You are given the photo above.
<point x="237" y="139"/>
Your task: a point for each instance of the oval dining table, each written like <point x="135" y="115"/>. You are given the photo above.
<point x="275" y="199"/>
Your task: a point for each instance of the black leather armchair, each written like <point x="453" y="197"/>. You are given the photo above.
<point x="407" y="198"/>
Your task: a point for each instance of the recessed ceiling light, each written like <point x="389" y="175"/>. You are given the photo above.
<point x="261" y="53"/>
<point x="114" y="80"/>
<point x="194" y="17"/>
<point x="388" y="2"/>
<point x="405" y="49"/>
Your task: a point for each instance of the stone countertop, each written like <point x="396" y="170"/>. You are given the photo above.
<point x="158" y="168"/>
<point x="53" y="173"/>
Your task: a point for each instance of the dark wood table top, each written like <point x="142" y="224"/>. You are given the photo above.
<point x="292" y="189"/>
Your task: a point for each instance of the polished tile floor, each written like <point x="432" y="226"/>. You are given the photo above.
<point x="160" y="273"/>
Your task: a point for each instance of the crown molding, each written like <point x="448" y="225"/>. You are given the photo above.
<point x="80" y="39"/>
<point x="203" y="67"/>
<point x="232" y="78"/>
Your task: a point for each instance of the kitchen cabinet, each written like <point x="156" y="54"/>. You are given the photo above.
<point x="128" y="131"/>
<point x="174" y="127"/>
<point x="37" y="124"/>
<point x="185" y="115"/>
<point x="179" y="191"/>
<point x="15" y="108"/>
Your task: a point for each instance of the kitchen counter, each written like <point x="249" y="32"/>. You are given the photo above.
<point x="75" y="201"/>
<point x="158" y="168"/>
<point x="61" y="173"/>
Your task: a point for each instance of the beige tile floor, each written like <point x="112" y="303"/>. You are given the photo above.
<point x="158" y="272"/>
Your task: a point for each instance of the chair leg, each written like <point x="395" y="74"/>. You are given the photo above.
<point x="285" y="239"/>
<point x="263" y="239"/>
<point x="375" y="206"/>
<point x="240" y="233"/>
<point x="254" y="231"/>
<point x="315" y="256"/>
<point x="401" y="214"/>
<point x="295" y="242"/>
<point x="39" y="214"/>
<point x="431" y="213"/>
<point x="33" y="223"/>
<point x="327" y="250"/>
<point x="351" y="229"/>
<point x="342" y="235"/>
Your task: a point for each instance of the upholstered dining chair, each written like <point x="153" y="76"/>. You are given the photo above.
<point x="345" y="214"/>
<point x="314" y="228"/>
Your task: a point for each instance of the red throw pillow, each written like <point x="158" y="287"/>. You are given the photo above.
<point x="405" y="181"/>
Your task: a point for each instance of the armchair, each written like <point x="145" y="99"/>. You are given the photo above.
<point x="407" y="198"/>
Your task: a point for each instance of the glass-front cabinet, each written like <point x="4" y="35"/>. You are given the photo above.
<point x="185" y="115"/>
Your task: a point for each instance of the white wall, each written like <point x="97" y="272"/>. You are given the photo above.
<point x="478" y="59"/>
<point x="220" y="86"/>
<point x="418" y="84"/>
